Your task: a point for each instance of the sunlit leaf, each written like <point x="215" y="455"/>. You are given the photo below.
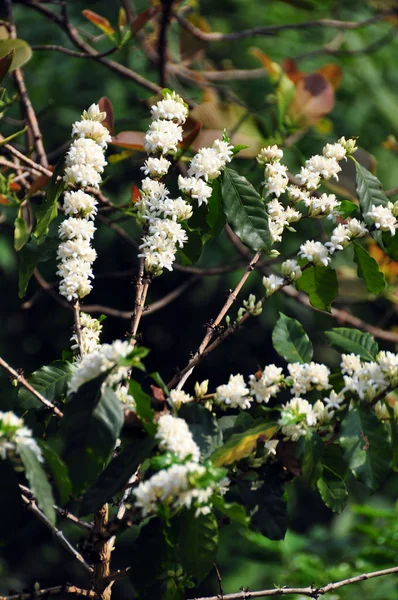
<point x="241" y="445"/>
<point x="290" y="340"/>
<point x="22" y="52"/>
<point x="348" y="340"/>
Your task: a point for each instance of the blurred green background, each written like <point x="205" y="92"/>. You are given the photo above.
<point x="319" y="546"/>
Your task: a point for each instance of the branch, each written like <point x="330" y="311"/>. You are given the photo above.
<point x="311" y="591"/>
<point x="22" y="381"/>
<point x="69" y="52"/>
<point x="104" y="548"/>
<point x="53" y="591"/>
<point x="162" y="41"/>
<point x="271" y="30"/>
<point x="57" y="533"/>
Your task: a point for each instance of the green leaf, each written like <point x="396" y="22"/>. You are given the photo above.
<point x="48" y="211"/>
<point x="366" y="447"/>
<point x="369" y="190"/>
<point x="143" y="407"/>
<point x="245" y="211"/>
<point x="215" y="217"/>
<point x="22" y="52"/>
<point x="192" y="250"/>
<point x="5" y="65"/>
<point x="266" y="504"/>
<point x="30" y="255"/>
<point x="353" y="341"/>
<point x="203" y="427"/>
<point x="368" y="269"/>
<point x="51" y="381"/>
<point x="116" y="475"/>
<point x="11" y="506"/>
<point x="347" y="207"/>
<point x="333" y="490"/>
<point x="321" y="285"/>
<point x="21" y="233"/>
<point x="59" y="472"/>
<point x="234" y="511"/>
<point x="390" y="244"/>
<point x="37" y="478"/>
<point x="241" y="445"/>
<point x="291" y="341"/>
<point x="92" y="421"/>
<point x="309" y="452"/>
<point x="197" y="543"/>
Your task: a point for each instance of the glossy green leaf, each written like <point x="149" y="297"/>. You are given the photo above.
<point x="353" y="341"/>
<point x="333" y="490"/>
<point x="38" y="482"/>
<point x="321" y="285"/>
<point x="291" y="341"/>
<point x="116" y="475"/>
<point x="245" y="211"/>
<point x="143" y="406"/>
<point x="368" y="269"/>
<point x="309" y="452"/>
<point x="93" y="418"/>
<point x="48" y="210"/>
<point x="22" y="52"/>
<point x="59" y="471"/>
<point x="51" y="381"/>
<point x="367" y="449"/>
<point x="203" y="427"/>
<point x="346" y="208"/>
<point x="215" y="217"/>
<point x="197" y="543"/>
<point x="29" y="257"/>
<point x="232" y="510"/>
<point x="21" y="234"/>
<point x="241" y="445"/>
<point x="369" y="190"/>
<point x="192" y="249"/>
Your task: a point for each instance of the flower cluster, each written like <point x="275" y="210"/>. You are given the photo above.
<point x="384" y="217"/>
<point x="368" y="379"/>
<point x="174" y="436"/>
<point x="13" y="434"/>
<point x="298" y="414"/>
<point x="234" y="394"/>
<point x="181" y="486"/>
<point x="90" y="334"/>
<point x="307" y="376"/>
<point x="84" y="164"/>
<point x="106" y="358"/>
<point x="160" y="215"/>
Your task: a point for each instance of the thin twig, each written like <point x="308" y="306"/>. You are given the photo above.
<point x="57" y="533"/>
<point x="22" y="381"/>
<point x="162" y="41"/>
<point x="69" y="52"/>
<point x="215" y="36"/>
<point x="311" y="591"/>
<point x="78" y="327"/>
<point x="117" y="575"/>
<point x="65" y="514"/>
<point x="57" y="590"/>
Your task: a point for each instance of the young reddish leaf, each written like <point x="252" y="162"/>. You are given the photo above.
<point x="129" y="139"/>
<point x="100" y="22"/>
<point x="105" y="106"/>
<point x="189" y="137"/>
<point x="39" y="183"/>
<point x="135" y="194"/>
<point x="4" y="200"/>
<point x="314" y="98"/>
<point x="14" y="186"/>
<point x="142" y="18"/>
<point x="157" y="393"/>
<point x="191" y="47"/>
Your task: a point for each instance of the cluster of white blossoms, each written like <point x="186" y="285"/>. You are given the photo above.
<point x="13" y="434"/>
<point x="368" y="379"/>
<point x="161" y="215"/>
<point x="304" y="377"/>
<point x="266" y="384"/>
<point x="384" y="217"/>
<point x="298" y="414"/>
<point x="180" y="486"/>
<point x="179" y="397"/>
<point x="105" y="358"/>
<point x="90" y="334"/>
<point x="174" y="436"/>
<point x="84" y="164"/>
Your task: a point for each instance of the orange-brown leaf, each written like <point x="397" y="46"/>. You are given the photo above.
<point x="142" y="18"/>
<point x="129" y="139"/>
<point x="135" y="194"/>
<point x="314" y="98"/>
<point x="333" y="73"/>
<point x="105" y="106"/>
<point x="100" y="22"/>
<point x="157" y="393"/>
<point x="4" y="200"/>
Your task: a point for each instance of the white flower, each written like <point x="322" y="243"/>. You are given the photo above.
<point x="154" y="189"/>
<point x="85" y="151"/>
<point x="206" y="163"/>
<point x="276" y="230"/>
<point x="174" y="436"/>
<point x="90" y="334"/>
<point x="297" y="194"/>
<point x="103" y="359"/>
<point x="269" y="154"/>
<point x="363" y="379"/>
<point x="177" y="209"/>
<point x="267" y="385"/>
<point x="125" y="398"/>
<point x="334" y="400"/>
<point x="388" y="362"/>
<point x="295" y="416"/>
<point x="349" y="145"/>
<point x="308" y="376"/>
<point x="81" y="204"/>
<point x="195" y="188"/>
<point x="233" y="394"/>
<point x="272" y="284"/>
<point x="72" y="266"/>
<point x="336" y="151"/>
<point x="340" y="238"/>
<point x="393" y="207"/>
<point x="83" y="175"/>
<point x="350" y="363"/>
<point x="88" y="128"/>
<point x="172" y="108"/>
<point x="322" y="413"/>
<point x="13" y="433"/>
<point x="162" y="136"/>
<point x="94" y="113"/>
<point x="77" y="248"/>
<point x="322" y="166"/>
<point x="224" y="150"/>
<point x="308" y="178"/>
<point x="75" y="285"/>
<point x="179" y="397"/>
<point x="276" y="179"/>
<point x="383" y="218"/>
<point x="201" y="388"/>
<point x="73" y="228"/>
<point x="381" y="411"/>
<point x="156" y="167"/>
<point x="291" y="270"/>
<point x="356" y="229"/>
<point x="324" y="206"/>
<point x="315" y="252"/>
